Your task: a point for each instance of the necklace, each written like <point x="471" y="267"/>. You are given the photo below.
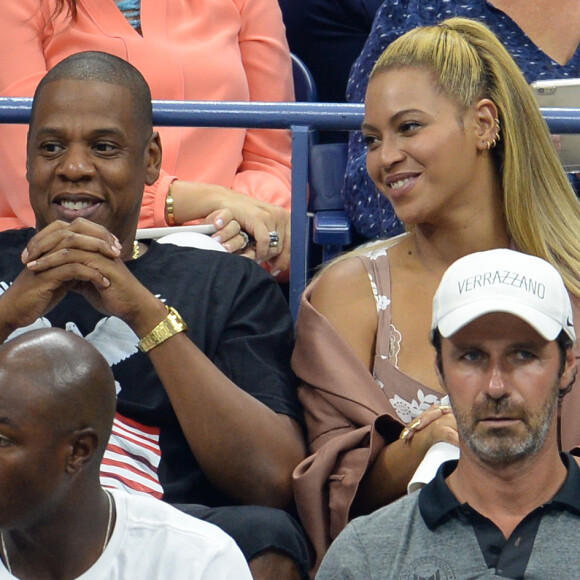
<point x="136" y="250"/>
<point x="5" y="553"/>
<point x="107" y="533"/>
<point x="109" y="521"/>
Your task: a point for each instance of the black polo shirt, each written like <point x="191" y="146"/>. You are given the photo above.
<point x="508" y="557"/>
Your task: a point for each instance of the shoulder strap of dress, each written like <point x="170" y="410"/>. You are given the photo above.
<point x="376" y="263"/>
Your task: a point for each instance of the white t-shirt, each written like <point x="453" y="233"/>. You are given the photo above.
<point x="154" y="541"/>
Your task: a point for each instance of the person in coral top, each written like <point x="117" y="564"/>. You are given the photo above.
<point x="210" y="50"/>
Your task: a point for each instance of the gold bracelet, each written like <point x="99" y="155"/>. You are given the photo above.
<point x="171" y="325"/>
<point x="169" y="207"/>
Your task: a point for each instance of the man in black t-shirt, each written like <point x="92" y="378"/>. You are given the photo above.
<point x="199" y="342"/>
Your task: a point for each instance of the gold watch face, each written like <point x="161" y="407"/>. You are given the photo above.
<point x="176" y="321"/>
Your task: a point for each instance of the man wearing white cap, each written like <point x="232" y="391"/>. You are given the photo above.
<point x="509" y="507"/>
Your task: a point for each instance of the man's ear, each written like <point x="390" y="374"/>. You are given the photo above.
<point x="154" y="154"/>
<point x="570" y="369"/>
<point x="83" y="444"/>
<point x="486" y="124"/>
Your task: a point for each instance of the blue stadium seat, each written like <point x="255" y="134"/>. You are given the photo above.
<point x="330" y="225"/>
<point x="304" y="85"/>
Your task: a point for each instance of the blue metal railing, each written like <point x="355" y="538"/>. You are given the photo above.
<point x="299" y="118"/>
<point x="227" y="114"/>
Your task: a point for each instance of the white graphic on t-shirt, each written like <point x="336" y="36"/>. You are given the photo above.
<point x="112" y="338"/>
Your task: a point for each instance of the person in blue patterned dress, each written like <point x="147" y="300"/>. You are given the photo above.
<point x="542" y="36"/>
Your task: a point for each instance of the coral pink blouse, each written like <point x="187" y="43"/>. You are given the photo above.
<point x="212" y="50"/>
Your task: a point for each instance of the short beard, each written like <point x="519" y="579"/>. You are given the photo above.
<point x="500" y="446"/>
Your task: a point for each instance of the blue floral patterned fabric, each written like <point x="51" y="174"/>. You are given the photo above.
<point x="370" y="212"/>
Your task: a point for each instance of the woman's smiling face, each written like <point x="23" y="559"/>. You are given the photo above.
<point x="421" y="147"/>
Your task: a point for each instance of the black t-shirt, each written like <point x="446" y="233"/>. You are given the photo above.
<point x="236" y="315"/>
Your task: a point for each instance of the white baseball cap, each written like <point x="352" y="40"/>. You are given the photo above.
<point x="503" y="281"/>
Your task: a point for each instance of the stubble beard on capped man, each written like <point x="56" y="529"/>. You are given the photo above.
<point x="504" y="445"/>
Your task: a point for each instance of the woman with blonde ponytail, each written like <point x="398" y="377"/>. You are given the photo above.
<point x="457" y="144"/>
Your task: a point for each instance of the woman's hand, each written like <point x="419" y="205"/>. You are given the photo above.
<point x="388" y="477"/>
<point x="234" y="214"/>
<point x="260" y="224"/>
<point x="435" y="424"/>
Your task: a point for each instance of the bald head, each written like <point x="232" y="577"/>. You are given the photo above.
<point x="68" y="375"/>
<point x="106" y="68"/>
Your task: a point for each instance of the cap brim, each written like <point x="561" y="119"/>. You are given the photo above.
<point x="462" y="316"/>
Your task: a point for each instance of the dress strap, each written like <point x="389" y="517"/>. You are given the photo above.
<point x="376" y="262"/>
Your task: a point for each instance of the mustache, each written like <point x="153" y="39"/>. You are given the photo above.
<point x="498" y="407"/>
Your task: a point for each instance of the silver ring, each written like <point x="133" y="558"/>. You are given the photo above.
<point x="246" y="239"/>
<point x="274" y="239"/>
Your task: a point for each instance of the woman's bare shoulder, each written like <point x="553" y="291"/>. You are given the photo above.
<point x="341" y="282"/>
<point x="343" y="294"/>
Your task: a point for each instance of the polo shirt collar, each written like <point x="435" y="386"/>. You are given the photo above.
<point x="437" y="504"/>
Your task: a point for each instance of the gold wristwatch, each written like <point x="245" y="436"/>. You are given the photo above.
<point x="171" y="325"/>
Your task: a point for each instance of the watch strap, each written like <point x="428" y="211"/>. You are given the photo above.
<point x="171" y="325"/>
